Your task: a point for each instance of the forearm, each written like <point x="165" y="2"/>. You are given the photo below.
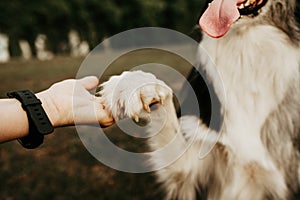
<point x="13" y="120"/>
<point x="62" y="106"/>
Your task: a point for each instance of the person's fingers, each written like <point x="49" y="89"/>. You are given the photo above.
<point x="89" y="82"/>
<point x="103" y="115"/>
<point x="104" y="118"/>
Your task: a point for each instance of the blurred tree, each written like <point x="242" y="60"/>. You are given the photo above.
<point x="93" y="19"/>
<point x="105" y="18"/>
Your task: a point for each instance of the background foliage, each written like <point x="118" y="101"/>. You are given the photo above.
<point x="62" y="168"/>
<point x="93" y="19"/>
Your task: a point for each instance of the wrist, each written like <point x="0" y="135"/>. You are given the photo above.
<point x="55" y="109"/>
<point x="39" y="123"/>
<point x="49" y="107"/>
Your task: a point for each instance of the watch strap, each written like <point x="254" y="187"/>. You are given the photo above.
<point x="39" y="123"/>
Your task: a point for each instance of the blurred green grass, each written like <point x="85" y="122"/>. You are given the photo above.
<point x="61" y="168"/>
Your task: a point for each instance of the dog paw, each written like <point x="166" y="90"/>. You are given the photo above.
<point x="134" y="94"/>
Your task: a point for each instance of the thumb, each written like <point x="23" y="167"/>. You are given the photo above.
<point x="89" y="82"/>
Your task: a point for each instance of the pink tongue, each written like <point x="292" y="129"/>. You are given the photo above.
<point x="218" y="17"/>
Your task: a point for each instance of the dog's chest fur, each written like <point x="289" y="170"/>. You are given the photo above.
<point x="257" y="67"/>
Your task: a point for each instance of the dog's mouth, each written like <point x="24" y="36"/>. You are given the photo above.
<point x="250" y="7"/>
<point x="221" y="14"/>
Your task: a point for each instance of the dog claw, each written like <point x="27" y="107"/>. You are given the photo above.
<point x="147" y="108"/>
<point x="136" y="118"/>
<point x="161" y="101"/>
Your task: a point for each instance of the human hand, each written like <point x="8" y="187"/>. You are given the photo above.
<point x="69" y="102"/>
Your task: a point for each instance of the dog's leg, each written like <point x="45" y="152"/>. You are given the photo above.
<point x="191" y="172"/>
<point x="140" y="96"/>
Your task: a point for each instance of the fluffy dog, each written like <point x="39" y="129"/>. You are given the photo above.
<point x="257" y="56"/>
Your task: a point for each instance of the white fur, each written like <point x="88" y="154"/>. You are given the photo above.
<point x="249" y="102"/>
<point x="255" y="85"/>
<point x="256" y="68"/>
<point x="131" y="91"/>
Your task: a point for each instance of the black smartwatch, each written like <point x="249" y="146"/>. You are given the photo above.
<point x="39" y="123"/>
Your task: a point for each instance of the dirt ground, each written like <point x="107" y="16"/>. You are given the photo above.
<point x="62" y="168"/>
